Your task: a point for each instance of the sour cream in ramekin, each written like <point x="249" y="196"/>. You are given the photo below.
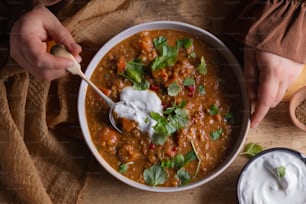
<point x="276" y="176"/>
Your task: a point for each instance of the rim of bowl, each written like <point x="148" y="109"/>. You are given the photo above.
<point x="170" y="25"/>
<point x="257" y="156"/>
<point x="297" y="98"/>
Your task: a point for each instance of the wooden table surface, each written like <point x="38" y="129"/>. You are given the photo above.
<point x="276" y="130"/>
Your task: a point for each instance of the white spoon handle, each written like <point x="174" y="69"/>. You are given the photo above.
<point x="59" y="50"/>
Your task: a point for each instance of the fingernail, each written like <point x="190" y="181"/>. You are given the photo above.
<point x="254" y="125"/>
<point x="69" y="63"/>
<point x="78" y="59"/>
<point x="76" y="47"/>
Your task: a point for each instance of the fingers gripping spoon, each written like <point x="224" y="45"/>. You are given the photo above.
<point x="75" y="69"/>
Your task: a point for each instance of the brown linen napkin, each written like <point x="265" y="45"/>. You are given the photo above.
<point x="39" y="163"/>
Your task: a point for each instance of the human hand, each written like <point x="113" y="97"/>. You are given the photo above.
<point x="28" y="44"/>
<point x="268" y="77"/>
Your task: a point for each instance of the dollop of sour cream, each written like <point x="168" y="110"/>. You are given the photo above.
<point x="258" y="185"/>
<point x="136" y="105"/>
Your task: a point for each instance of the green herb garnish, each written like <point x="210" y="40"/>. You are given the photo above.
<point x="192" y="55"/>
<point x="214" y="135"/>
<point x="174" y="89"/>
<point x="188" y="82"/>
<point x="184" y="43"/>
<point x="124" y="167"/>
<point x="167" y="55"/>
<point x="155" y="175"/>
<point x="175" y="162"/>
<point x="201" y="90"/>
<point x="251" y="149"/>
<point x="229" y="117"/>
<point x="213" y="109"/>
<point x="174" y="118"/>
<point x="190" y="156"/>
<point x="281" y="171"/>
<point x="202" y="68"/>
<point x="179" y="160"/>
<point x="135" y="73"/>
<point x="159" y="42"/>
<point x="183" y="176"/>
<point x="146" y="120"/>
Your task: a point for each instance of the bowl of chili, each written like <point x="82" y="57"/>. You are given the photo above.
<point x="185" y="87"/>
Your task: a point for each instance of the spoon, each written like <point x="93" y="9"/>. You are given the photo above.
<point x="75" y="69"/>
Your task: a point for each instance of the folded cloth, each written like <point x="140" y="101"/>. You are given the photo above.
<point x="39" y="163"/>
<point x="276" y="26"/>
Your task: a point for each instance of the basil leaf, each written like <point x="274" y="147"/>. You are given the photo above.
<point x="155" y="175"/>
<point x="174" y="89"/>
<point x="183" y="176"/>
<point x="214" y="135"/>
<point x="251" y="149"/>
<point x="188" y="82"/>
<point x="202" y="68"/>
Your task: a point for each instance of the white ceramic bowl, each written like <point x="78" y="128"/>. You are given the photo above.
<point x="257" y="181"/>
<point x="207" y="37"/>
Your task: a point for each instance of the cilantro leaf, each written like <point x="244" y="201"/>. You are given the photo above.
<point x="213" y="109"/>
<point x="281" y="171"/>
<point x="229" y="117"/>
<point x="202" y="67"/>
<point x="124" y="167"/>
<point x="190" y="156"/>
<point x="155" y="175"/>
<point x="167" y="56"/>
<point x="201" y="90"/>
<point x="188" y="82"/>
<point x="184" y="43"/>
<point x="179" y="161"/>
<point x="251" y="149"/>
<point x="183" y="176"/>
<point x="174" y="89"/>
<point x="174" y="118"/>
<point x="214" y="135"/>
<point x="158" y="42"/>
<point x="135" y="73"/>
